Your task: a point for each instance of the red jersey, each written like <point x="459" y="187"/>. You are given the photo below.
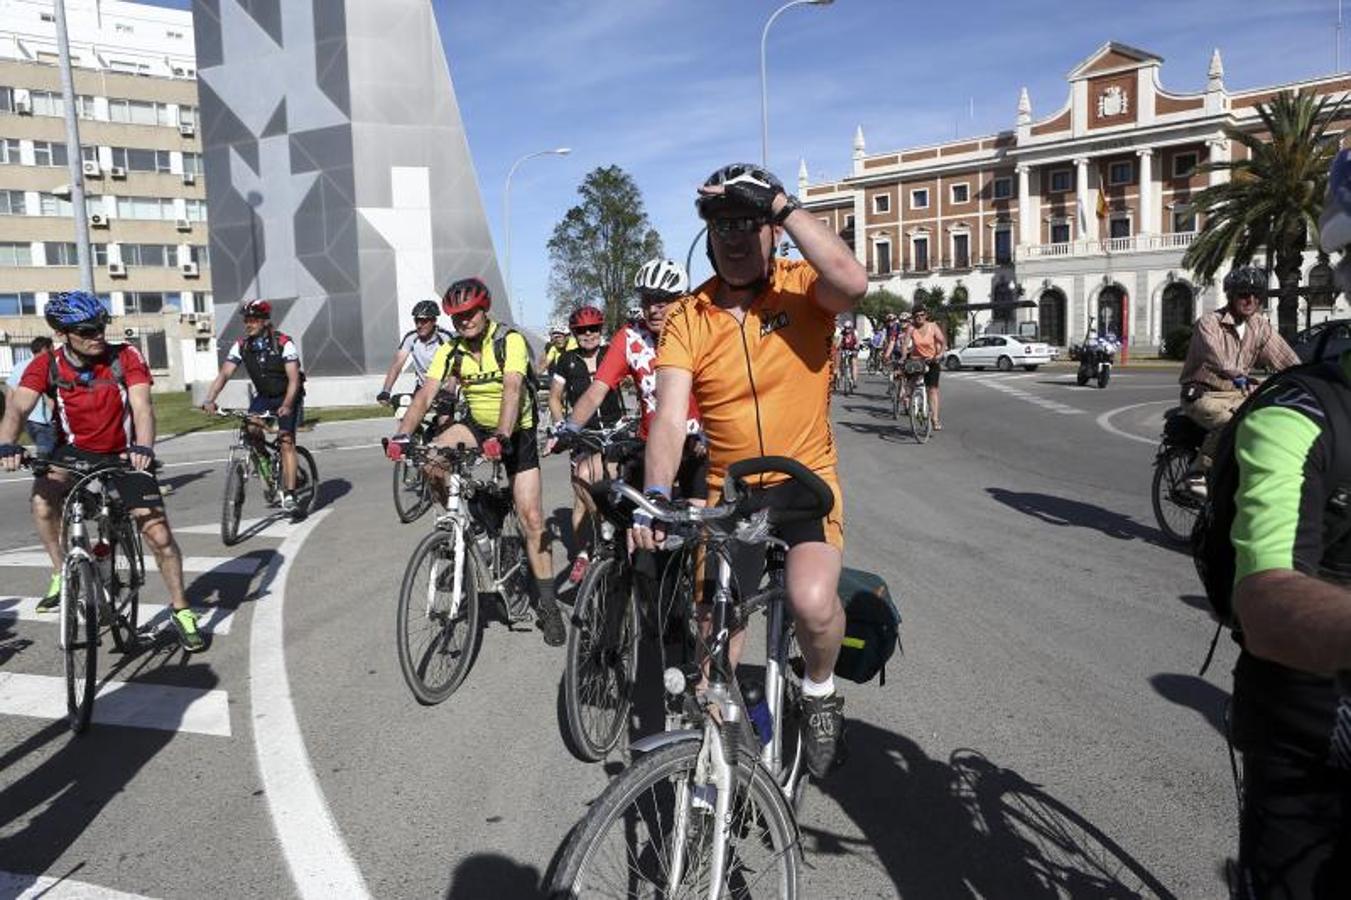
<point x="633" y="352"/>
<point x="94" y="409"/>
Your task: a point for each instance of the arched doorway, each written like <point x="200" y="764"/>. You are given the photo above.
<point x="1051" y="316"/>
<point x="1111" y="305"/>
<point x="1179" y="308"/>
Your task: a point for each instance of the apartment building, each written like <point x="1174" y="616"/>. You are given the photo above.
<point x="1086" y="210"/>
<point x="135" y="81"/>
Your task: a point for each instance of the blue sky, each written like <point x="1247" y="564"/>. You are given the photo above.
<point x="670" y="89"/>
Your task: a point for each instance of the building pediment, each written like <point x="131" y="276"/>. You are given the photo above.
<point x="1114" y="57"/>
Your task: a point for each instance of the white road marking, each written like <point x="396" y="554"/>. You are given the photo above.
<point x="31" y="887"/>
<point x="279" y="527"/>
<point x="1105" y="421"/>
<point x="1020" y="394"/>
<point x="320" y="864"/>
<point x="214" y="565"/>
<point x="134" y="704"/>
<point x="212" y="619"/>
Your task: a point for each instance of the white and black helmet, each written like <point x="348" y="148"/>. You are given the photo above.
<point x="664" y="277"/>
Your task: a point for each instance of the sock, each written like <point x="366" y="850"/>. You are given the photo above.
<point x="544" y="590"/>
<point x="818" y="688"/>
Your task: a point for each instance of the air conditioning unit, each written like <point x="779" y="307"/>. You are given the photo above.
<point x="23" y="107"/>
<point x="187" y="129"/>
<point x="98" y="220"/>
<point x="184" y="225"/>
<point x="204" y="326"/>
<point x="189" y="177"/>
<point x="189" y="269"/>
<point x="117" y="269"/>
<point x="91" y="169"/>
<point x="118" y="172"/>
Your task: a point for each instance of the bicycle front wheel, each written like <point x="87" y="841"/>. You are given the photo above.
<point x="307" y="481"/>
<point x="412" y="494"/>
<point x="920" y="425"/>
<point x="126" y="574"/>
<point x="602" y="659"/>
<point x="654" y="825"/>
<point x="80" y="634"/>
<point x="437" y="628"/>
<point x="1175" y="509"/>
<point x="232" y="503"/>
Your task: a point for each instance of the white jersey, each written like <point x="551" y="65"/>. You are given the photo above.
<point x="421" y="352"/>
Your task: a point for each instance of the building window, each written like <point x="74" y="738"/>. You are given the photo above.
<point x="7" y="99"/>
<point x="153" y="208"/>
<point x="1119" y="227"/>
<point x="62" y="253"/>
<point x="12" y="203"/>
<point x="84" y="106"/>
<point x="1002" y="188"/>
<point x="1119" y="173"/>
<point x="192" y="164"/>
<point x="187" y="115"/>
<point x="961" y="193"/>
<point x="1061" y="180"/>
<point x="9" y="151"/>
<point x="163" y="256"/>
<point x="919" y="198"/>
<point x="1060" y="232"/>
<point x="143" y="302"/>
<point x="123" y="28"/>
<point x="47" y="153"/>
<point x="919" y="253"/>
<point x="1184" y="219"/>
<point x="138" y="112"/>
<point x="20" y="304"/>
<point x="1183" y="163"/>
<point x="52" y="205"/>
<point x="882" y="257"/>
<point x="1003" y="246"/>
<point x="196" y="210"/>
<point x="15" y="254"/>
<point x="881" y="203"/>
<point x="46" y="103"/>
<point x="849" y="222"/>
<point x="961" y="250"/>
<point x="174" y="35"/>
<point x="200" y="254"/>
<point x="135" y="160"/>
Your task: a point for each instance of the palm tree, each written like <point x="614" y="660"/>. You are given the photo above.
<point x="1272" y="199"/>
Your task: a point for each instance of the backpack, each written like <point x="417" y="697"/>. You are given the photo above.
<point x="1212" y="549"/>
<point x="871" y="630"/>
<point x="531" y="383"/>
<point x="55" y="382"/>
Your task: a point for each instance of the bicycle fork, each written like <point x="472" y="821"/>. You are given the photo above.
<point x="457" y="558"/>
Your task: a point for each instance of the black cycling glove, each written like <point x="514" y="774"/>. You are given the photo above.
<point x="759" y="197"/>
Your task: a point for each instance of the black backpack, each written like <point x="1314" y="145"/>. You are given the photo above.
<point x="1212" y="549"/>
<point x="871" y="630"/>
<point x="531" y="381"/>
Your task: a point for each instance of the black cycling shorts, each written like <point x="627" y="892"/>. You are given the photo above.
<point x="691" y="481"/>
<point x="1294" y="830"/>
<point x="931" y="374"/>
<point x="137" y="490"/>
<point x="521" y="454"/>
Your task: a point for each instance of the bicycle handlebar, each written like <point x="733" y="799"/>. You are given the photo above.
<point x="81" y="466"/>
<point x="245" y="414"/>
<point x="820" y="500"/>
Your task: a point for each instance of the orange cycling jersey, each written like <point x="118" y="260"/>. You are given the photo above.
<point x="763" y="384"/>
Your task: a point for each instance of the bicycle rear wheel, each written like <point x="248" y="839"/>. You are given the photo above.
<point x="307" y="481"/>
<point x="232" y="503"/>
<point x="438" y="630"/>
<point x="920" y="425"/>
<point x="1175" y="509"/>
<point x="126" y="575"/>
<point x="648" y="822"/>
<point x="80" y="636"/>
<point x="602" y="659"/>
<point x="897" y="396"/>
<point x="412" y="494"/>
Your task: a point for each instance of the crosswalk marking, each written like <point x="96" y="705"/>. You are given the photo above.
<point x="212" y="619"/>
<point x="134" y="704"/>
<point x="1020" y="394"/>
<point x="31" y="887"/>
<point x="278" y="527"/>
<point x="216" y="565"/>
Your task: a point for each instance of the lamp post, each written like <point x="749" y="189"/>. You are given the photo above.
<point x="74" y="158"/>
<point x="764" y="80"/>
<point x="506" y="220"/>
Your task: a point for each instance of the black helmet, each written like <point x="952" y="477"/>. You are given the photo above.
<point x="426" y="309"/>
<point x="1246" y="279"/>
<point x="729" y="173"/>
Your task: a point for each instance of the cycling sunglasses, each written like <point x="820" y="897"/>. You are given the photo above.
<point x="422" y="320"/>
<point x="587" y="329"/>
<point x="735" y="225"/>
<point x="88" y="331"/>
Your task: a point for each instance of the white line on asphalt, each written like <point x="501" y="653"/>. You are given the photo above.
<point x="278" y="527"/>
<point x="215" y="565"/>
<point x="1052" y="405"/>
<point x="212" y="619"/>
<point x="1105" y="421"/>
<point x="134" y="704"/>
<point x="320" y="864"/>
<point x="31" y="887"/>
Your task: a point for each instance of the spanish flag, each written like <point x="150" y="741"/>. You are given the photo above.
<point x="1102" y="204"/>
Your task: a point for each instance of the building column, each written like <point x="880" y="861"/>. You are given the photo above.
<point x="1084" y="206"/>
<point x="1028" y="232"/>
<point x="1148" y="201"/>
<point x="1218" y="148"/>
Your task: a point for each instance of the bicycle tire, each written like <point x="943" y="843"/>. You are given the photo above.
<point x="232" y="502"/>
<point x="921" y="426"/>
<point x="124" y="589"/>
<point x="416" y="661"/>
<point x="1170" y="470"/>
<point x="602" y="660"/>
<point x="410" y="504"/>
<point x="79" y="626"/>
<point x="897" y="394"/>
<point x="620" y="813"/>
<point x="307" y="481"/>
<point x="509" y="554"/>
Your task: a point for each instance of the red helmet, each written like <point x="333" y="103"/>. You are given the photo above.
<point x="257" y="309"/>
<point x="583" y="316"/>
<point x="465" y="295"/>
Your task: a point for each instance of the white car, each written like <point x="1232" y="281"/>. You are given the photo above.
<point x="1002" y="351"/>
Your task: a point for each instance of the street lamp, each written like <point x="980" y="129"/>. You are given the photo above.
<point x="506" y="220"/>
<point x="764" y="81"/>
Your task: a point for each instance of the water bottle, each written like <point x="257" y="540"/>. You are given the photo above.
<point x="758" y="711"/>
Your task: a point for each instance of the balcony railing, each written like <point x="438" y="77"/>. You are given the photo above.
<point x="1136" y="243"/>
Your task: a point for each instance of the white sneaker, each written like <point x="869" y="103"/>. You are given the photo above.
<point x="288" y="502"/>
<point x="1196" y="486"/>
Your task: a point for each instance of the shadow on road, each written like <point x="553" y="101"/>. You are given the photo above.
<point x="892" y="433"/>
<point x="1197" y="694"/>
<point x="967" y="827"/>
<point x="1065" y="512"/>
<point x="178" y="482"/>
<point x="329" y="491"/>
<point x="493" y="875"/>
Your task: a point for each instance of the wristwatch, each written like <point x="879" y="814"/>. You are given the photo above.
<point x="788" y="207"/>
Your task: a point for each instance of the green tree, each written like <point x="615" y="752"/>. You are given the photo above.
<point x="934" y="299"/>
<point x="1272" y="199"/>
<point x="876" y="304"/>
<point x="599" y="245"/>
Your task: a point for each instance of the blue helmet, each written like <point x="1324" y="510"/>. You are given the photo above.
<point x="65" y="311"/>
<point x="1334" y="225"/>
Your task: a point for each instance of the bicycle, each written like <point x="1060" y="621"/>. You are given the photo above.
<point x="260" y="457"/>
<point x="1175" y="506"/>
<point x="475" y="548"/>
<point x="709" y="810"/>
<point x="412" y="490"/>
<point x="844" y="377"/>
<point x="101" y="577"/>
<point x="917" y="402"/>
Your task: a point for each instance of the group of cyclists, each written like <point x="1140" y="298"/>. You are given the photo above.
<point x="899" y="337"/>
